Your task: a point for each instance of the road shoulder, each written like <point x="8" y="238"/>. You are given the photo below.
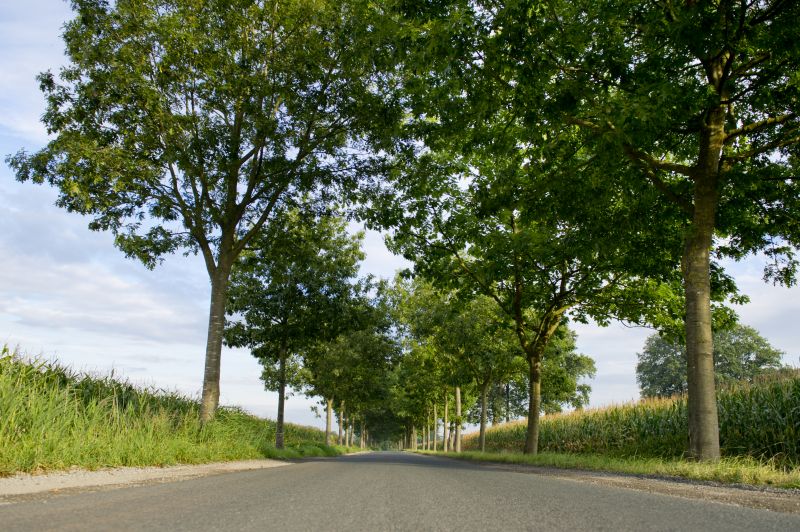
<point x="24" y="486"/>
<point x="766" y="498"/>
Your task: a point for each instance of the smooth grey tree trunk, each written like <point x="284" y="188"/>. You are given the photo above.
<point x="281" y="401"/>
<point x="435" y="427"/>
<point x="216" y="326"/>
<point x="341" y="422"/>
<point x="458" y="419"/>
<point x="534" y="405"/>
<point x="695" y="263"/>
<point x="428" y="430"/>
<point x="508" y="402"/>
<point x="702" y="400"/>
<point x="328" y="420"/>
<point x="484" y="397"/>
<point x="446" y="428"/>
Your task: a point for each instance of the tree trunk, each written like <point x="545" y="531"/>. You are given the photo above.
<point x="458" y="419"/>
<point x="413" y="438"/>
<point x="361" y="436"/>
<point x="534" y="405"/>
<point x="281" y="399"/>
<point x="695" y="263"/>
<point x="702" y="401"/>
<point x="216" y="326"/>
<point x="328" y="420"/>
<point x="446" y="427"/>
<point x="484" y="397"/>
<point x="425" y="434"/>
<point x="508" y="402"/>
<point x="428" y="430"/>
<point x="435" y="427"/>
<point x="341" y="422"/>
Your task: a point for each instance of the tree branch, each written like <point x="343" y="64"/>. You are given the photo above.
<point x="757" y="126"/>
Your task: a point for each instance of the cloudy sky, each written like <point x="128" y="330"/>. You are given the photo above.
<point x="67" y="293"/>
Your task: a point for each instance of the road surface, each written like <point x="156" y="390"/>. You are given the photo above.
<point x="381" y="491"/>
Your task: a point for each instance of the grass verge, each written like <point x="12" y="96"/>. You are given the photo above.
<point x="735" y="470"/>
<point x="52" y="418"/>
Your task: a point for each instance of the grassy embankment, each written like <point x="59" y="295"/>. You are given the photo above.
<point x="52" y="418"/>
<point x="759" y="437"/>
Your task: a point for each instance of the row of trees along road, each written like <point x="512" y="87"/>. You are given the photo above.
<point x="462" y="349"/>
<point x="686" y="112"/>
<point x="294" y="289"/>
<point x="581" y="159"/>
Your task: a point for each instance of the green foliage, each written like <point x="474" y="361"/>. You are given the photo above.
<point x="563" y="368"/>
<point x="54" y="418"/>
<point x="292" y="289"/>
<point x="206" y="114"/>
<point x="642" y="84"/>
<point x="740" y="353"/>
<point x="759" y="420"/>
<point x="355" y="368"/>
<point x="180" y="125"/>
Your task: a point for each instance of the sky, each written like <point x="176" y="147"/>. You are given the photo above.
<point x="67" y="293"/>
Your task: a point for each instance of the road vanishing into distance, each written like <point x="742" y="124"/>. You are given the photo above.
<point x="381" y="491"/>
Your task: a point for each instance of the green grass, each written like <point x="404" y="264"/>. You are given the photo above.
<point x="728" y="470"/>
<point x="52" y="418"/>
<point x="760" y="421"/>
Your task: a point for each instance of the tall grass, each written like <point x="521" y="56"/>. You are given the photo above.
<point x="759" y="420"/>
<point x="54" y="418"/>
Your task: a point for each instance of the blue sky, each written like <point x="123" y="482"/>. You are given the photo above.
<point x="67" y="293"/>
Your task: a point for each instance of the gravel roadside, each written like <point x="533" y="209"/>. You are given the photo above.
<point x="23" y="485"/>
<point x="759" y="497"/>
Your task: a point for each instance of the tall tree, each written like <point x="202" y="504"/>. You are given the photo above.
<point x="293" y="289"/>
<point x="183" y="125"/>
<point x="700" y="100"/>
<point x="740" y="353"/>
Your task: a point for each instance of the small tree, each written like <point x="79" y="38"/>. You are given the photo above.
<point x="292" y="290"/>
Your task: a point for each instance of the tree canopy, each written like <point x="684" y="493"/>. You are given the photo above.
<point x="182" y="125"/>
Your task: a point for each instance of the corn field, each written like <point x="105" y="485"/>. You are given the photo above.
<point x="760" y="420"/>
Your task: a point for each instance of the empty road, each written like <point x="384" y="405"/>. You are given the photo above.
<point x="381" y="491"/>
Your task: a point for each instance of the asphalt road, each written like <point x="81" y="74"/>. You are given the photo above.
<point x="381" y="491"/>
